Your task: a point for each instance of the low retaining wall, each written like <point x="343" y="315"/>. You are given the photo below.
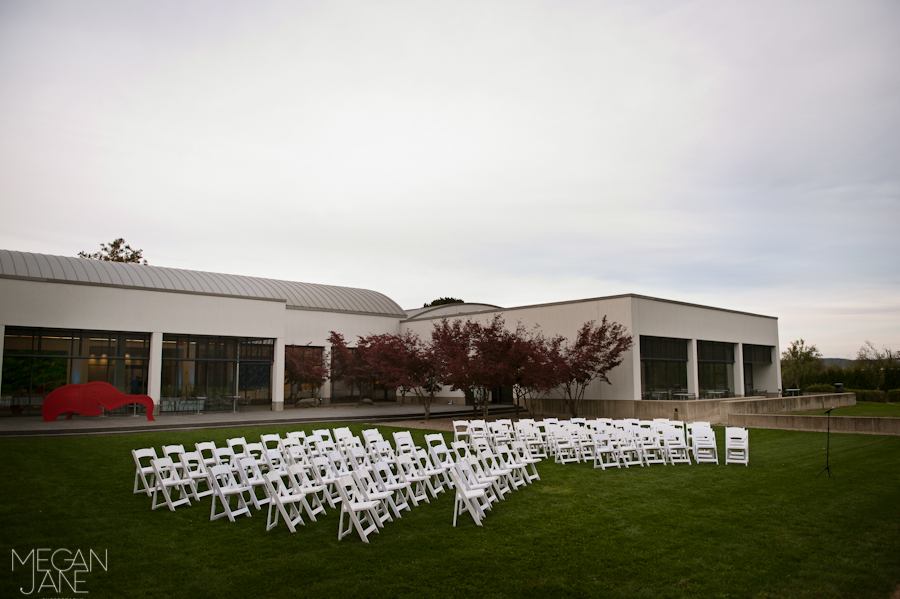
<point x="644" y="409"/>
<point x="780" y="405"/>
<point x="839" y="424"/>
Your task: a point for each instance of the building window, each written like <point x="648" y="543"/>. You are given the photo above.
<point x="715" y="369"/>
<point x="758" y="355"/>
<point x="215" y="373"/>
<point x="37" y="360"/>
<point x="663" y="367"/>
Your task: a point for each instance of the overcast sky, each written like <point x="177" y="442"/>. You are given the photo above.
<point x="743" y="155"/>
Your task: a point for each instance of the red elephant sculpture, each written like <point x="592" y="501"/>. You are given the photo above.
<point x="87" y="400"/>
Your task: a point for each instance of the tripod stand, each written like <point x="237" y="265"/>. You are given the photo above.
<point x="827" y="446"/>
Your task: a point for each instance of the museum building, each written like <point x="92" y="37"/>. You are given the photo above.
<point x="200" y="341"/>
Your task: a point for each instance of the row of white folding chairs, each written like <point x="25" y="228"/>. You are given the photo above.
<point x="483" y="474"/>
<point x="225" y="475"/>
<point x="699" y="438"/>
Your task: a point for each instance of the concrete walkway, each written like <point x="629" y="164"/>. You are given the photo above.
<point x="34" y="426"/>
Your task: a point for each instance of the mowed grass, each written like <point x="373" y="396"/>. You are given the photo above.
<point x="768" y="530"/>
<point x="862" y="408"/>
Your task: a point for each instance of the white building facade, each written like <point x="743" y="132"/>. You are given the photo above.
<point x="195" y="339"/>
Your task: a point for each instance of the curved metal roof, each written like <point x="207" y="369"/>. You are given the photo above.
<point x="302" y="296"/>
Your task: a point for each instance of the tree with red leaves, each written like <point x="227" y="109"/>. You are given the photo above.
<point x="541" y="368"/>
<point x="422" y="370"/>
<point x="381" y="360"/>
<point x="347" y="364"/>
<point x="453" y="345"/>
<point x="306" y="366"/>
<point x="596" y="350"/>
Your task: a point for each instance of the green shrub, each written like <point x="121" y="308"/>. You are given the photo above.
<point x="820" y="388"/>
<point x="893" y="396"/>
<point x="869" y="395"/>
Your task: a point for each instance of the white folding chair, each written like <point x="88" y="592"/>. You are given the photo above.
<point x="225" y="486"/>
<point x="284" y="501"/>
<point x="369" y="491"/>
<point x="361" y="514"/>
<point x="312" y="503"/>
<point x="169" y="479"/>
<point x="400" y="490"/>
<point x="737" y="446"/>
<point x="251" y="477"/>
<point x="467" y="500"/>
<point x="143" y="467"/>
<point x="193" y="468"/>
<point x="704" y="446"/>
<point x="207" y="450"/>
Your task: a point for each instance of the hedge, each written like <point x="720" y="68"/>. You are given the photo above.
<point x="893" y="396"/>
<point x="820" y="388"/>
<point x="869" y="395"/>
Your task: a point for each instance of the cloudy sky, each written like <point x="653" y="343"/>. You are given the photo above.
<point x="744" y="155"/>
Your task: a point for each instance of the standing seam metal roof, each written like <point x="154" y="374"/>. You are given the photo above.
<point x="303" y="296"/>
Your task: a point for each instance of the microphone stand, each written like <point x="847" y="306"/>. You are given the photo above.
<point x="827" y="447"/>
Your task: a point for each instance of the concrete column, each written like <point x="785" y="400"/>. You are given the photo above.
<point x="2" y="337"/>
<point x="278" y="376"/>
<point x="154" y="369"/>
<point x="636" y="368"/>
<point x="739" y="370"/>
<point x="693" y="371"/>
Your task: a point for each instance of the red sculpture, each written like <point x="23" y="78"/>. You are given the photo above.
<point x="87" y="400"/>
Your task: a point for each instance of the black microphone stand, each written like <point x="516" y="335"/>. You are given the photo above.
<point x="827" y="447"/>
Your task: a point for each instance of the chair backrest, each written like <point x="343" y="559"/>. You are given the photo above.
<point x="404" y="442"/>
<point x="222" y="477"/>
<point x="193" y="463"/>
<point x="338" y="463"/>
<point x="225" y="456"/>
<point x="271" y="441"/>
<point x="207" y="450"/>
<point x="143" y="457"/>
<point x="164" y="468"/>
<point x="173" y="451"/>
<point x="325" y="433"/>
<point x="238" y="445"/>
<point x="250" y="471"/>
<point x="341" y="433"/>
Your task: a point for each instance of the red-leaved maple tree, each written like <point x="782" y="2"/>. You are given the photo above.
<point x="595" y="351"/>
<point x="306" y="366"/>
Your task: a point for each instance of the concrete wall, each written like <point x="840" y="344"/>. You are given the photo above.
<point x="777" y="405"/>
<point x="839" y="424"/>
<point x="559" y="319"/>
<point x="42" y="304"/>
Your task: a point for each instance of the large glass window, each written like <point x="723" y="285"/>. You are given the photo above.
<point x="37" y="360"/>
<point x="215" y="373"/>
<point x="715" y="365"/>
<point x="755" y="355"/>
<point x="663" y="367"/>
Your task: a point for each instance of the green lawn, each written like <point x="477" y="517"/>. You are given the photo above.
<point x="768" y="530"/>
<point x="862" y="408"/>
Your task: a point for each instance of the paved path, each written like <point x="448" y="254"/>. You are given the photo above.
<point x="34" y="426"/>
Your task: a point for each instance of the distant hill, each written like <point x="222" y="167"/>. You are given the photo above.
<point x="842" y="362"/>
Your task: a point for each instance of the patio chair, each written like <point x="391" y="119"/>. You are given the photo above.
<point x="250" y="477"/>
<point x="169" y="479"/>
<point x="467" y="500"/>
<point x="284" y="501"/>
<point x="194" y="469"/>
<point x="225" y="486"/>
<point x="300" y="479"/>
<point x="143" y="467"/>
<point x="400" y="490"/>
<point x="737" y="446"/>
<point x="361" y="514"/>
